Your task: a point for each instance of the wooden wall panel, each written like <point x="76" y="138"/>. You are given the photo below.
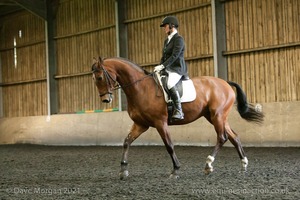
<point x="25" y="94"/>
<point x="25" y="100"/>
<point x="145" y="37"/>
<point x="85" y="29"/>
<point x="270" y="76"/>
<point x="261" y="33"/>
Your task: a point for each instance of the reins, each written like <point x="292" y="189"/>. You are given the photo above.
<point x="130" y="84"/>
<point x="108" y="77"/>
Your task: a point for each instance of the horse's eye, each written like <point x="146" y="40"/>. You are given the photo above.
<point x="99" y="78"/>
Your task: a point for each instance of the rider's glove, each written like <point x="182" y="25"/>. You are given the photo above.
<point x="158" y="68"/>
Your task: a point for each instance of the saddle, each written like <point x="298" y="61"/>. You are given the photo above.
<point x="185" y="88"/>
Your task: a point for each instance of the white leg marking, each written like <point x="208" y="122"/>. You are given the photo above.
<point x="244" y="163"/>
<point x="209" y="161"/>
<point x="208" y="166"/>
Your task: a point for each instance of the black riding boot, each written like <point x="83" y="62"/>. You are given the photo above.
<point x="177" y="113"/>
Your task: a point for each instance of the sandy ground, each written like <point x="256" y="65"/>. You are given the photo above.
<point x="51" y="172"/>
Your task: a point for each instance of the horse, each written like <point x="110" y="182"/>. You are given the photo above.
<point x="214" y="99"/>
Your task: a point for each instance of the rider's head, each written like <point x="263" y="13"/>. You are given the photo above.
<point x="169" y="23"/>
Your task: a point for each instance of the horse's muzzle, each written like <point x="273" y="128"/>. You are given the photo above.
<point x="106" y="98"/>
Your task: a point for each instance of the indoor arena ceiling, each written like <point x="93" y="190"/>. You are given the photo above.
<point x="35" y="6"/>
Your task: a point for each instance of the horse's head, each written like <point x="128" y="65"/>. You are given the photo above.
<point x="103" y="80"/>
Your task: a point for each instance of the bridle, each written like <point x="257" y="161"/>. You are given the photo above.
<point x="108" y="79"/>
<point x="116" y="85"/>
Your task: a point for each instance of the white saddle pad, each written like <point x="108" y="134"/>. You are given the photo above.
<point x="188" y="90"/>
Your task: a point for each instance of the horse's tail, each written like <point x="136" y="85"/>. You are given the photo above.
<point x="247" y="111"/>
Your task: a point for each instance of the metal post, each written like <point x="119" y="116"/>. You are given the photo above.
<point x="48" y="75"/>
<point x="219" y="38"/>
<point x="52" y="92"/>
<point x="122" y="46"/>
<point x="118" y="49"/>
<point x="1" y="98"/>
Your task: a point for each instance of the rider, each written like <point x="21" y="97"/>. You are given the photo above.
<point x="173" y="61"/>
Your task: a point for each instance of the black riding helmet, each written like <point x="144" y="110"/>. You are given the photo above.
<point x="171" y="20"/>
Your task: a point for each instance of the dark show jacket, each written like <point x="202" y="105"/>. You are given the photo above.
<point x="173" y="55"/>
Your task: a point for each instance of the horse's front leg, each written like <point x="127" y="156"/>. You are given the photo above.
<point x="222" y="137"/>
<point x="163" y="131"/>
<point x="210" y="159"/>
<point x="135" y="132"/>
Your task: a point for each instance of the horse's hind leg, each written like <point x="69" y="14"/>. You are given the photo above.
<point x="135" y="132"/>
<point x="235" y="140"/>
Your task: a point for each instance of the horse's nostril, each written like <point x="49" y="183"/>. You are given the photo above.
<point x="105" y="101"/>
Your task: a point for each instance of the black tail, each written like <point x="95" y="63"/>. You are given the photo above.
<point x="246" y="110"/>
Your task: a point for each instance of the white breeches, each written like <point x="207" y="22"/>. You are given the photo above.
<point x="173" y="79"/>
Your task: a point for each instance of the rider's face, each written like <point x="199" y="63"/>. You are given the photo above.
<point x="167" y="29"/>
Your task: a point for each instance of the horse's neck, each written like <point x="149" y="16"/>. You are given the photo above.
<point x="127" y="76"/>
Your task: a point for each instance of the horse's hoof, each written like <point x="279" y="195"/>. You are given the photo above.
<point x="208" y="171"/>
<point x="244" y="162"/>
<point x="174" y="176"/>
<point x="124" y="174"/>
<point x="243" y="170"/>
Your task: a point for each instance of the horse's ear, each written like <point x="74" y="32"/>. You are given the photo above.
<point x="94" y="60"/>
<point x="95" y="64"/>
<point x="100" y="60"/>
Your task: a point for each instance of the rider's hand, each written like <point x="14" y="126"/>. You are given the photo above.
<point x="158" y="68"/>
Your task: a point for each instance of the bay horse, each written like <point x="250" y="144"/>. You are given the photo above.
<point x="214" y="99"/>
